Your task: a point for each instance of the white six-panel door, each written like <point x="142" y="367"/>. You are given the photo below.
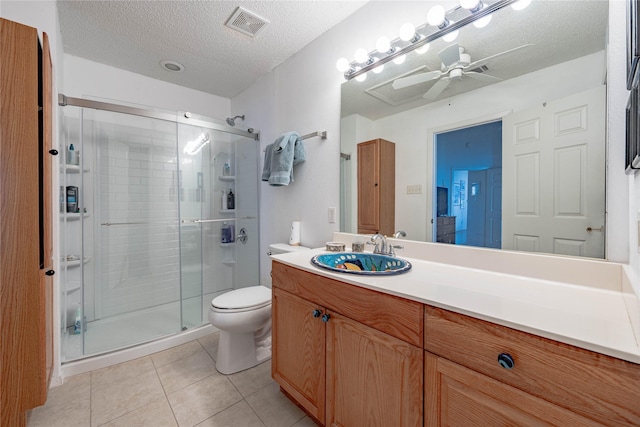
<point x="554" y="176"/>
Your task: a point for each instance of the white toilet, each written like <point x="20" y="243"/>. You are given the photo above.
<point x="243" y="317"/>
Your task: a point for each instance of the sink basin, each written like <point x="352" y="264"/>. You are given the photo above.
<point x="365" y="264"/>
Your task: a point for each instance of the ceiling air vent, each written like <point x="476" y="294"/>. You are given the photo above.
<point x="246" y="22"/>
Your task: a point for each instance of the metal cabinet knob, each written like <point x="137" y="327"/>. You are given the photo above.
<point x="506" y="361"/>
<point x="316" y="313"/>
<point x="53" y="152"/>
<point x="325" y="317"/>
<point x="50" y="272"/>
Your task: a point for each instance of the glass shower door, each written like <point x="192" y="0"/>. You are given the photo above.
<point x="218" y="200"/>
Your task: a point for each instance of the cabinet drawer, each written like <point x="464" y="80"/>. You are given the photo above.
<point x="593" y="385"/>
<point x="398" y="317"/>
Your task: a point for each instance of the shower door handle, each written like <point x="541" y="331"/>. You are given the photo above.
<point x="242" y="237"/>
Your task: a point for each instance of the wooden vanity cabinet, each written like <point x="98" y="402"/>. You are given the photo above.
<point x="550" y="383"/>
<point x="376" y="187"/>
<point x="348" y="355"/>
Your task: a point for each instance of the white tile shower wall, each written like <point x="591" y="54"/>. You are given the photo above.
<point x="138" y="183"/>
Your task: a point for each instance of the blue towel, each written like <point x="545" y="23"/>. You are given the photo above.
<point x="280" y="157"/>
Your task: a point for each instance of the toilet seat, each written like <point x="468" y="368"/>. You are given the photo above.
<point x="244" y="299"/>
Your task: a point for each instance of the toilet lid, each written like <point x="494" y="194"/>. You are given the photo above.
<point x="253" y="296"/>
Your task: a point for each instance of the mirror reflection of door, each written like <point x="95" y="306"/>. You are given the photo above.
<point x="468" y="170"/>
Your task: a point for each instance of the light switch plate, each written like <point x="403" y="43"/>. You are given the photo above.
<point x="414" y="189"/>
<point x="332" y="215"/>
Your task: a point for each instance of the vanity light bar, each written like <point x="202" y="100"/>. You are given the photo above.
<point x="488" y="9"/>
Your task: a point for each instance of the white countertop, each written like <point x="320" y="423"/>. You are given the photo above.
<point x="601" y="319"/>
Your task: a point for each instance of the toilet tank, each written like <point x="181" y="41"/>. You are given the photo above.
<point x="283" y="248"/>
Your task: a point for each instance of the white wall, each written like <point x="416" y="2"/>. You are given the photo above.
<point x="304" y="94"/>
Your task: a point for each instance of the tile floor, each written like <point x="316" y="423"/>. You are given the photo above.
<point x="176" y="387"/>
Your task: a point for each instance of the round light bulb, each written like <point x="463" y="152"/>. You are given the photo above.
<point x="361" y="55"/>
<point x="342" y="65"/>
<point x="423" y="49"/>
<point x="449" y="37"/>
<point x="378" y="69"/>
<point x="362" y="77"/>
<point x="407" y="31"/>
<point x="519" y="5"/>
<point x="436" y="15"/>
<point x="482" y="22"/>
<point x="383" y="44"/>
<point x="469" y="4"/>
<point x="400" y="59"/>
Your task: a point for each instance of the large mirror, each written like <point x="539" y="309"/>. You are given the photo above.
<point x="506" y="153"/>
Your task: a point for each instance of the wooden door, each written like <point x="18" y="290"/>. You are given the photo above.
<point x="457" y="396"/>
<point x="554" y="176"/>
<point x="298" y="360"/>
<point x="373" y="379"/>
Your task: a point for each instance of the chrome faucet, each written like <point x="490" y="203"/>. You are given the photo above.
<point x="382" y="246"/>
<point x="398" y="234"/>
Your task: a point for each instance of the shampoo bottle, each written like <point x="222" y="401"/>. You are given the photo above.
<point x="77" y="325"/>
<point x="231" y="204"/>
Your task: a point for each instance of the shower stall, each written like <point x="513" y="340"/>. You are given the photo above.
<point x="158" y="215"/>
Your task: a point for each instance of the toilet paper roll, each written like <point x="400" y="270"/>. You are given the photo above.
<point x="294" y="239"/>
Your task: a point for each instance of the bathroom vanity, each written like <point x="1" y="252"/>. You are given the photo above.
<point x="488" y="349"/>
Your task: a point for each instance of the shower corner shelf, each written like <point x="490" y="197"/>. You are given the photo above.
<point x="73" y="168"/>
<point x="75" y="262"/>
<point x="227" y="211"/>
<point x="71" y="216"/>
<point x="229" y="262"/>
<point x="227" y="245"/>
<point x="226" y="177"/>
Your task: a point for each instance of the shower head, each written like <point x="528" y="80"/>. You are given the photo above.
<point x="231" y="121"/>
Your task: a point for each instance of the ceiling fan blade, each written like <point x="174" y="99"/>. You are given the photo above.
<point x="482" y="77"/>
<point x="415" y="79"/>
<point x="437" y="88"/>
<point x="481" y="62"/>
<point x="450" y="55"/>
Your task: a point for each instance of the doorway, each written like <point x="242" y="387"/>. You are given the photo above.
<point x="468" y="165"/>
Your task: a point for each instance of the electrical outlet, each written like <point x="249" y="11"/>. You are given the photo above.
<point x="414" y="189"/>
<point x="332" y="215"/>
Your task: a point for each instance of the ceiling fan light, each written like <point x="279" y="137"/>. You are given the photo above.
<point x="423" y="49"/>
<point x="383" y="44"/>
<point x="342" y="65"/>
<point x="361" y="55"/>
<point x="482" y="22"/>
<point x="521" y="4"/>
<point x="407" y="32"/>
<point x="436" y="16"/>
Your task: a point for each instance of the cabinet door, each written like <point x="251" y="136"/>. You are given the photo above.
<point x="373" y="379"/>
<point x="298" y="362"/>
<point x="368" y="187"/>
<point x="457" y="396"/>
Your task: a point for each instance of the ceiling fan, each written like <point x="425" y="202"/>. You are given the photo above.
<point x="456" y="65"/>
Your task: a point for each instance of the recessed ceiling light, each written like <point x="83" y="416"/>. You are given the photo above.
<point x="171" y="65"/>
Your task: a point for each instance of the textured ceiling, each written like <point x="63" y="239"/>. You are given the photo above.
<point x="137" y="35"/>
<point x="556" y="30"/>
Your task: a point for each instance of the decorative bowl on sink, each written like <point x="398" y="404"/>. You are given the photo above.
<point x="366" y="264"/>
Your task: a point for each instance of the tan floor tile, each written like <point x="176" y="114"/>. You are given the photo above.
<point x="203" y="399"/>
<point x="155" y="414"/>
<point x="239" y="414"/>
<point x="105" y="377"/>
<point x="168" y="356"/>
<point x="305" y="422"/>
<point x="73" y="389"/>
<point x="188" y="370"/>
<point x="108" y="403"/>
<point x="251" y="380"/>
<point x="210" y="343"/>
<point x="76" y="413"/>
<point x="273" y="408"/>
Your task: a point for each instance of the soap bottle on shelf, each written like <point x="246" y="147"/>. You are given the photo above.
<point x="72" y="156"/>
<point x="77" y="324"/>
<point x="225" y="233"/>
<point x="226" y="170"/>
<point x="223" y="201"/>
<point x="231" y="204"/>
